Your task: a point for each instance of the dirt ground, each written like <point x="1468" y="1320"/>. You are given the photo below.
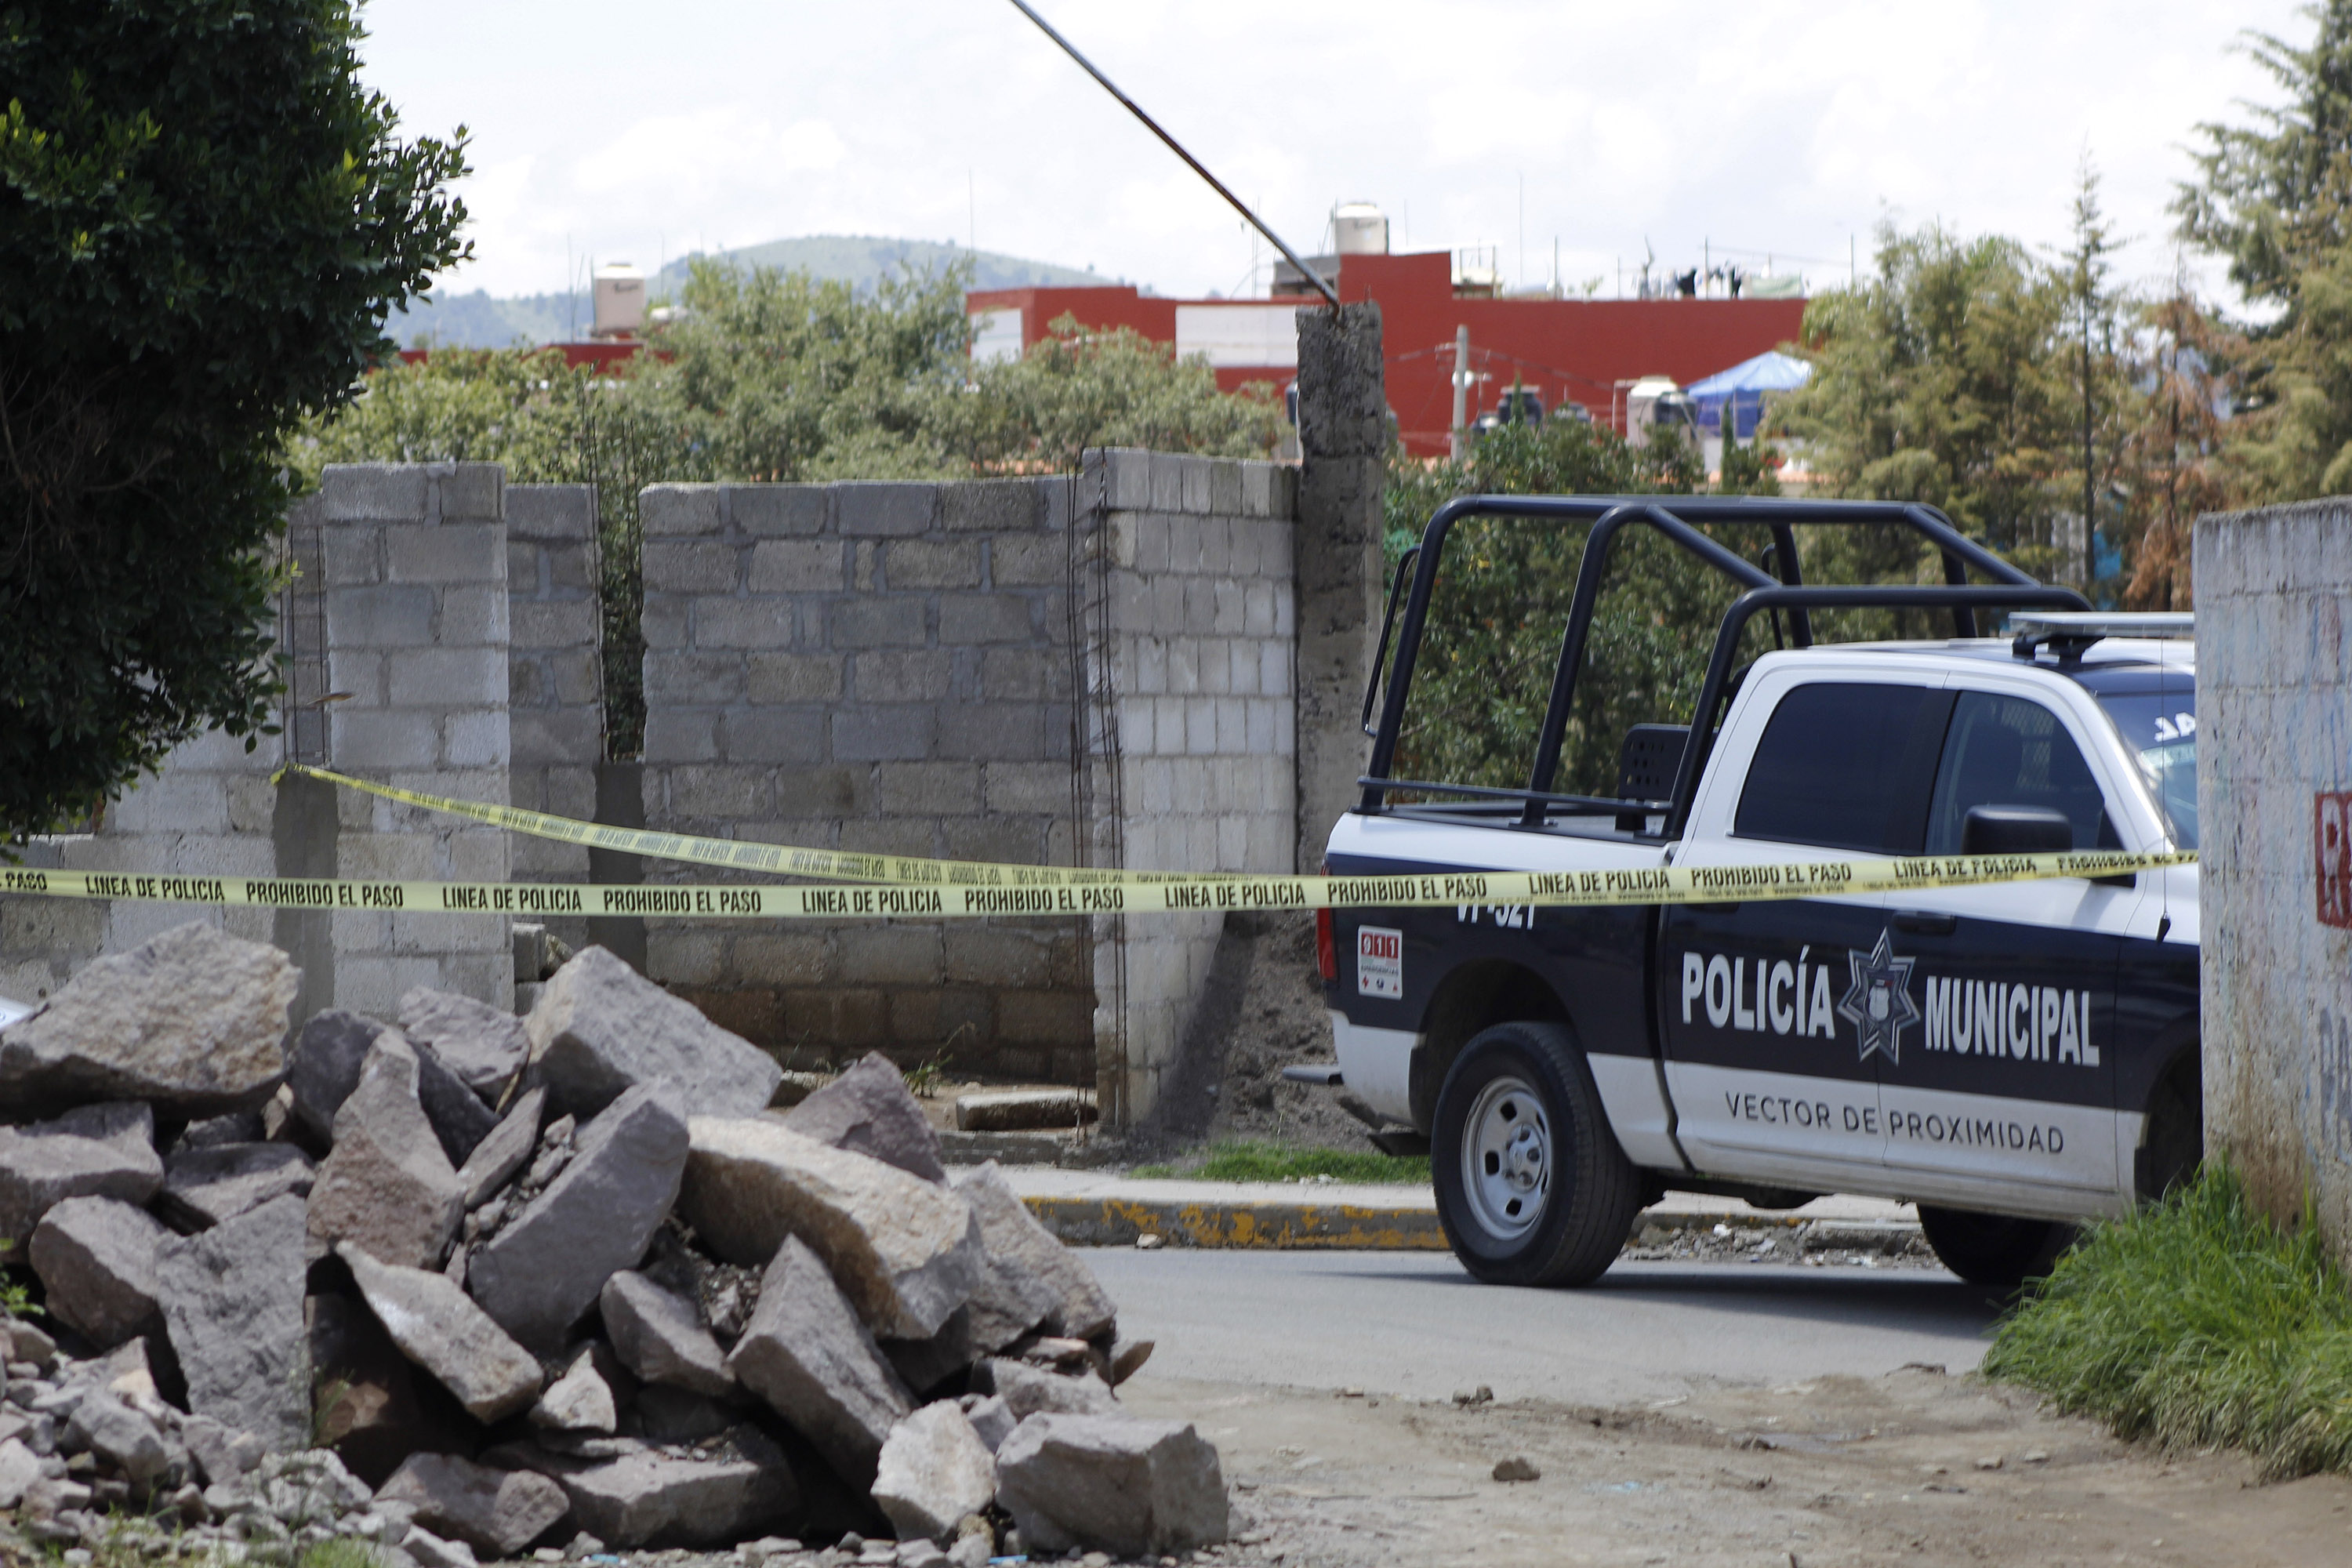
<point x="1913" y="1468"/>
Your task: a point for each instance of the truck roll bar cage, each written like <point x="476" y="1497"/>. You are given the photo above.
<point x="1783" y="588"/>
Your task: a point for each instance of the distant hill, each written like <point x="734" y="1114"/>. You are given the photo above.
<point x="478" y="319"/>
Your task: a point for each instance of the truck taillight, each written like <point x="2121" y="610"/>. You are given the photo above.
<point x="1327" y="950"/>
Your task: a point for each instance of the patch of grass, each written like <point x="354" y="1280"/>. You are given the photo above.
<point x="340" y="1553"/>
<point x="2195" y="1323"/>
<point x="1243" y="1160"/>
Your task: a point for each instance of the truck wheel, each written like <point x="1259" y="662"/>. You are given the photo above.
<point x="1532" y="1188"/>
<point x="1996" y="1251"/>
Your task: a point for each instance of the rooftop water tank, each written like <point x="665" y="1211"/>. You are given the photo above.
<point x="620" y="297"/>
<point x="1358" y="228"/>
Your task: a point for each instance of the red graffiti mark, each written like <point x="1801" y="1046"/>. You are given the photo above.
<point x="2331" y="840"/>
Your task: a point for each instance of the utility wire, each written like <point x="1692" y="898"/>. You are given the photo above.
<point x="1309" y="273"/>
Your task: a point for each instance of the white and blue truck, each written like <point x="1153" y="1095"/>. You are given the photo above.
<point x="2012" y="1058"/>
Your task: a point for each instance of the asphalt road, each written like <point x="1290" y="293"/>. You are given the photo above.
<point x="1414" y="1324"/>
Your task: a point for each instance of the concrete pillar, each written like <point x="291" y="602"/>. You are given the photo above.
<point x="2274" y="809"/>
<point x="1343" y="436"/>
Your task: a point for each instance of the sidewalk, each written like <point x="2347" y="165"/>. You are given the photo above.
<point x="1105" y="1208"/>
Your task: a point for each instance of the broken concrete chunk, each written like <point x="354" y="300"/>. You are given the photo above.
<point x="459" y="1117"/>
<point x="579" y="1401"/>
<point x="205" y="1186"/>
<point x="438" y="1329"/>
<point x="96" y="1258"/>
<point x="806" y="1353"/>
<point x="93" y="1151"/>
<point x="990" y="1417"/>
<point x="482" y="1045"/>
<point x="934" y="1473"/>
<point x="600" y="1027"/>
<point x="223" y="1454"/>
<point x="663" y="1414"/>
<point x="1014" y="1240"/>
<point x="1024" y="1110"/>
<point x="232" y="1302"/>
<point x="500" y="1156"/>
<point x="660" y="1337"/>
<point x="430" y="1551"/>
<point x="869" y="1111"/>
<point x="739" y="1489"/>
<point x="1033" y="1391"/>
<point x="497" y="1512"/>
<point x="387" y="1186"/>
<point x="1111" y="1483"/>
<point x="325" y="1066"/>
<point x="119" y="1435"/>
<point x="924" y="1364"/>
<point x="191" y="1020"/>
<point x="905" y="1251"/>
<point x="540" y="1273"/>
<point x="19" y="1469"/>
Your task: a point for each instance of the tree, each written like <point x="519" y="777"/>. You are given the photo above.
<point x="2100" y="357"/>
<point x="2174" y="451"/>
<point x="206" y="219"/>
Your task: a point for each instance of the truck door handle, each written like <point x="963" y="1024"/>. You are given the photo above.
<point x="1925" y="924"/>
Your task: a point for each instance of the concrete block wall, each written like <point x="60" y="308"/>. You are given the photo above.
<point x="554" y="675"/>
<point x="874" y="667"/>
<point x="1192" y="647"/>
<point x="2274" y="808"/>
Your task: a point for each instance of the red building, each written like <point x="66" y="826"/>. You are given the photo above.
<point x="1581" y="351"/>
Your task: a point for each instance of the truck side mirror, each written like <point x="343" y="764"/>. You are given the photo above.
<point x="2016" y="830"/>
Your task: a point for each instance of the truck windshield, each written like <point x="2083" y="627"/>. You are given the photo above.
<point x="2160" y="730"/>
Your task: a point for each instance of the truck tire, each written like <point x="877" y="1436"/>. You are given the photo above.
<point x="1532" y="1188"/>
<point x="1997" y="1251"/>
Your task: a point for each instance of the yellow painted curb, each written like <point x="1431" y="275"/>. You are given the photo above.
<point x="1117" y="1221"/>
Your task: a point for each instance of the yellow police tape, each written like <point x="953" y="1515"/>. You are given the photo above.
<point x="901" y="887"/>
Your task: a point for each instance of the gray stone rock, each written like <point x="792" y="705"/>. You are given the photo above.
<point x="482" y="1045"/>
<point x="600" y="1027"/>
<point x="497" y="1512"/>
<point x="924" y="1364"/>
<point x="540" y="1273"/>
<point x="498" y="1157"/>
<point x="234" y="1127"/>
<point x="19" y="1469"/>
<point x="96" y="1258"/>
<point x="428" y="1550"/>
<point x="659" y="1336"/>
<point x="934" y="1473"/>
<point x="203" y="1186"/>
<point x="436" y="1327"/>
<point x="459" y="1117"/>
<point x="92" y="1150"/>
<point x="1033" y="1391"/>
<point x="905" y="1251"/>
<point x="119" y="1435"/>
<point x="579" y="1401"/>
<point x="661" y="1415"/>
<point x="387" y="1186"/>
<point x="1111" y="1483"/>
<point x="1017" y="1244"/>
<point x="807" y="1354"/>
<point x="233" y="1305"/>
<point x="223" y="1455"/>
<point x="191" y="1020"/>
<point x="990" y="1417"/>
<point x="741" y="1487"/>
<point x="869" y="1111"/>
<point x="325" y="1067"/>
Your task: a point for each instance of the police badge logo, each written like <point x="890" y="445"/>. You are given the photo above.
<point x="1879" y="1002"/>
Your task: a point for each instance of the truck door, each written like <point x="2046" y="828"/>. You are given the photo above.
<point x="1777" y="1011"/>
<point x="2007" y="1085"/>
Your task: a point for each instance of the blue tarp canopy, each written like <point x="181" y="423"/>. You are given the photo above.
<point x="1743" y="386"/>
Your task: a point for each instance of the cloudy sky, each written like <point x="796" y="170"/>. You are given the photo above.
<point x="1761" y="127"/>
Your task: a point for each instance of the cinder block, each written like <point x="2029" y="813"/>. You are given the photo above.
<point x="1167" y="481"/>
<point x="932" y="563"/>
<point x="838" y="1020"/>
<point x="884" y="509"/>
<point x="1028" y="560"/>
<point x="797" y="565"/>
<point x="926" y="789"/>
<point x="930" y="1017"/>
<point x="380" y="738"/>
<point x="994" y="840"/>
<point x="974" y="618"/>
<point x="717" y="790"/>
<point x="696" y="565"/>
<point x="471" y="617"/>
<point x="772" y="735"/>
<point x="667" y="511"/>
<point x="695" y="678"/>
<point x="571" y="624"/>
<point x="1022" y="675"/>
<point x="372" y="491"/>
<point x="1045" y="1017"/>
<point x="820" y="792"/>
<point x="1183" y="666"/>
<point x="992" y="506"/>
<point x="380" y="616"/>
<point x="468" y="492"/>
<point x="778" y="678"/>
<point x="782" y="958"/>
<point x="446" y="552"/>
<point x="1194" y="476"/>
<point x="1225" y="488"/>
<point x="666" y="621"/>
<point x="774" y="511"/>
<point x="889" y="676"/>
<point x="350" y="556"/>
<point x="525" y="569"/>
<point x="999" y="731"/>
<point x="990" y="956"/>
<point x="888" y="955"/>
<point x="742" y="623"/>
<point x="895" y="732"/>
<point x="685" y="955"/>
<point x="552" y="512"/>
<point x="890" y="836"/>
<point x="446" y="678"/>
<point x="672" y="736"/>
<point x="894" y="622"/>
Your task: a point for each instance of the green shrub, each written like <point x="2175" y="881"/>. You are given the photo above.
<point x="2192" y="1323"/>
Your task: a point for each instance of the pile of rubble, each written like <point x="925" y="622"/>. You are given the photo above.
<point x="480" y="1285"/>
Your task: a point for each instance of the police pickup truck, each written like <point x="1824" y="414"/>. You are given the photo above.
<point x="2010" y="1057"/>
